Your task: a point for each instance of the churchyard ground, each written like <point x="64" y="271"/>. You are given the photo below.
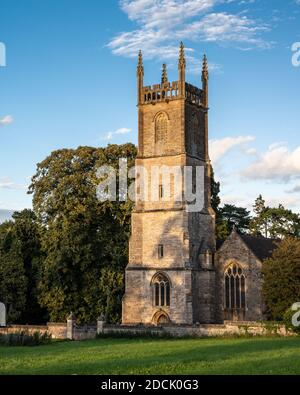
<point x="156" y="356"/>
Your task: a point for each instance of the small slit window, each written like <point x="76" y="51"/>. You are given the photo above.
<point x="160" y="251"/>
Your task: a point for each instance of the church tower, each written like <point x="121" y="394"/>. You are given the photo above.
<point x="170" y="277"/>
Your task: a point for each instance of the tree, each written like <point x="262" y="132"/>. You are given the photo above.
<point x="28" y="233"/>
<point x="215" y="191"/>
<point x="274" y="222"/>
<point x="222" y="230"/>
<point x="281" y="286"/>
<point x="259" y="223"/>
<point x="12" y="274"/>
<point x="234" y="216"/>
<point x="82" y="235"/>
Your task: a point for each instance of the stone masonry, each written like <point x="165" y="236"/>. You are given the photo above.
<point x="172" y="124"/>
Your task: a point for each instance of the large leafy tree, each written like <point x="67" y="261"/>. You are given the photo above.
<point x="28" y="233"/>
<point x="13" y="281"/>
<point x="222" y="229"/>
<point x="275" y="222"/>
<point x="82" y="236"/>
<point x="233" y="216"/>
<point x="281" y="286"/>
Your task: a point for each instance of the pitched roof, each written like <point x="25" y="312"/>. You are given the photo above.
<point x="260" y="246"/>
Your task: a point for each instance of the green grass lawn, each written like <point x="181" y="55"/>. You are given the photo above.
<point x="156" y="356"/>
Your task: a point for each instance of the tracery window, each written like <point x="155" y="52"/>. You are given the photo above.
<point x="235" y="297"/>
<point x="161" y="290"/>
<point x="161" y="128"/>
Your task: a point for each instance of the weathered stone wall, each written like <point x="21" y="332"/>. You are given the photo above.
<point x="185" y="236"/>
<point x="138" y="304"/>
<point x="174" y="142"/>
<point x="57" y="330"/>
<point x="229" y="328"/>
<point x="234" y="250"/>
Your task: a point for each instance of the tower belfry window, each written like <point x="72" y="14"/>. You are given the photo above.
<point x="161" y="128"/>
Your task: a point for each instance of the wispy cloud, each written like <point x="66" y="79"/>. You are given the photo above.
<point x="8" y="183"/>
<point x="120" y="131"/>
<point x="220" y="147"/>
<point x="6" y="120"/>
<point x="162" y="23"/>
<point x="295" y="189"/>
<point x="278" y="163"/>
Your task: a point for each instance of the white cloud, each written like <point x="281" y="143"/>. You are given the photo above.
<point x="111" y="135"/>
<point x="163" y="23"/>
<point x="7" y="183"/>
<point x="6" y="120"/>
<point x="287" y="201"/>
<point x="251" y="151"/>
<point x="295" y="189"/>
<point x="220" y="147"/>
<point x="278" y="163"/>
<point x="226" y="28"/>
<point x="164" y="13"/>
<point x="122" y="131"/>
<point x="290" y="202"/>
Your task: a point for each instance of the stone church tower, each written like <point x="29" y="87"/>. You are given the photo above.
<point x="170" y="277"/>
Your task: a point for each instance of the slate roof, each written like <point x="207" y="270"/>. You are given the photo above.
<point x="261" y="246"/>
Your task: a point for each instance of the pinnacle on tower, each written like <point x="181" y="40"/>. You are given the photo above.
<point x="140" y="77"/>
<point x="181" y="62"/>
<point x="204" y="68"/>
<point x="140" y="67"/>
<point x="164" y="74"/>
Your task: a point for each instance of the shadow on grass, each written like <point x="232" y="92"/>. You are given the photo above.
<point x="192" y="356"/>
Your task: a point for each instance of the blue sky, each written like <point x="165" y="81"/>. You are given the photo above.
<point x="70" y="80"/>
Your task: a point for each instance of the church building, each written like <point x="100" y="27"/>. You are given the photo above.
<point x="176" y="274"/>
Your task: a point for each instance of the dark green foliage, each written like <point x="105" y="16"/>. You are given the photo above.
<point x="274" y="222"/>
<point x="233" y="216"/>
<point x="215" y="191"/>
<point x="83" y="239"/>
<point x="227" y="216"/>
<point x="28" y="233"/>
<point x="281" y="286"/>
<point x="13" y="282"/>
<point x="23" y="338"/>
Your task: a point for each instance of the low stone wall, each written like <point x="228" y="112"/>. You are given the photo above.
<point x="229" y="328"/>
<point x="75" y="332"/>
<point x="84" y="332"/>
<point x="28" y="328"/>
<point x="57" y="330"/>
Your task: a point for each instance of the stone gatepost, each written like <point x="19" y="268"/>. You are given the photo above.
<point x="2" y="314"/>
<point x="71" y="322"/>
<point x="100" y="324"/>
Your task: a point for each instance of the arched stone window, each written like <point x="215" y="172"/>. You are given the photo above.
<point x="161" y="290"/>
<point x="235" y="285"/>
<point x="161" y="128"/>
